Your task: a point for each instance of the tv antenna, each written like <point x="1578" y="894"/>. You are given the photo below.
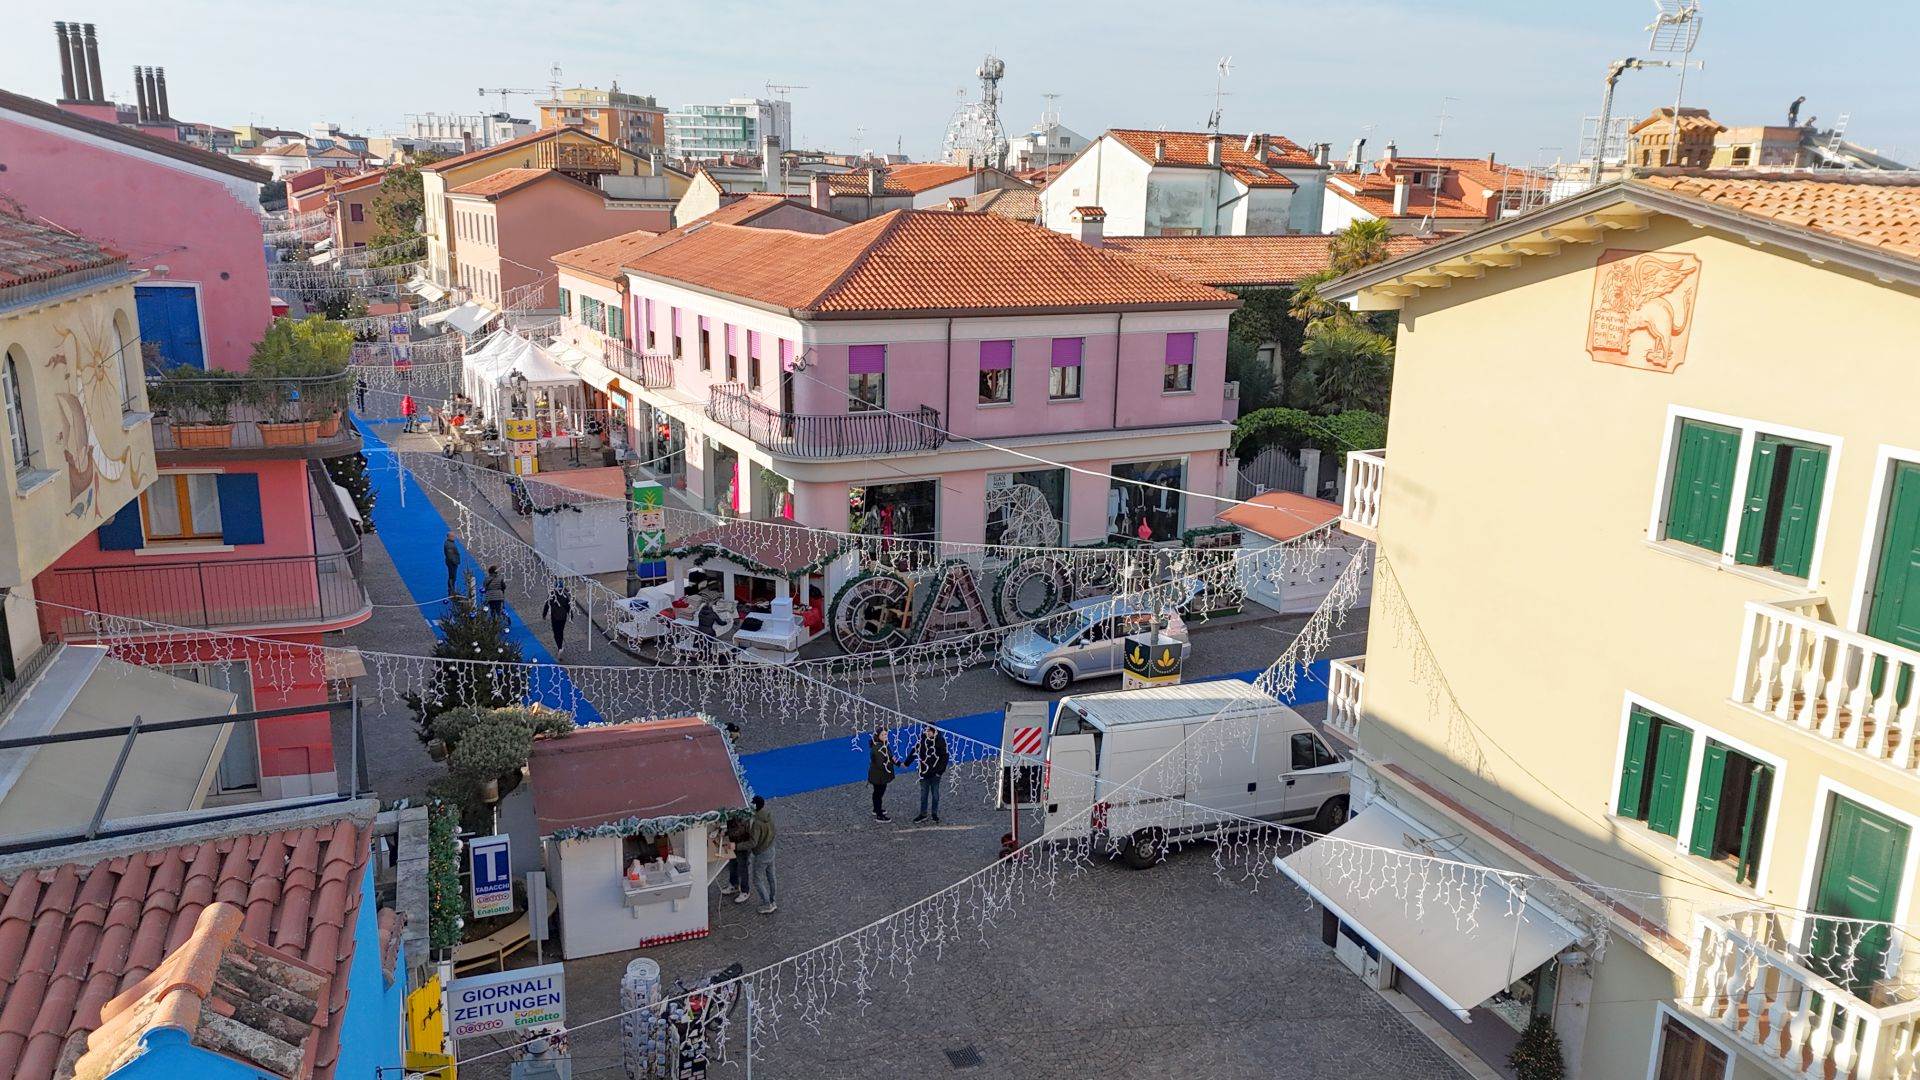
<point x="1050" y="115"/>
<point x="1224" y="67"/>
<point x="1441" y="118"/>
<point x="1676" y="28"/>
<point x="553" y="80"/>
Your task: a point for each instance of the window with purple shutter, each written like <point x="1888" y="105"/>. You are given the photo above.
<point x="753" y="359"/>
<point x="996" y="372"/>
<point x="673" y="319"/>
<point x="728" y="334"/>
<point x="1179" y="368"/>
<point x="646" y="322"/>
<point x="1063" y="379"/>
<point x="866" y="378"/>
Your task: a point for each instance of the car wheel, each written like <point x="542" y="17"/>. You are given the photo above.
<point x="1057" y="677"/>
<point x="1145" y="848"/>
<point x="1333" y="814"/>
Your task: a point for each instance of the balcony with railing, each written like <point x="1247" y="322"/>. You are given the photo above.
<point x="1791" y="990"/>
<point x="215" y="593"/>
<point x="576" y="157"/>
<point x="1848" y="688"/>
<point x="208" y="414"/>
<point x="651" y="370"/>
<point x="1360" y="499"/>
<point x="824" y="435"/>
<point x="1346" y="687"/>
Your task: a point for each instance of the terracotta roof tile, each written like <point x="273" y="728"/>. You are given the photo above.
<point x="1188" y="149"/>
<point x="1020" y="204"/>
<point x="604" y="258"/>
<point x="925" y="176"/>
<point x="855" y="183"/>
<point x="105" y="947"/>
<point x="1468" y="187"/>
<point x="134" y="137"/>
<point x="608" y="772"/>
<point x="1874" y="210"/>
<point x="1242" y="260"/>
<point x="916" y="262"/>
<point x="506" y="181"/>
<point x="32" y="251"/>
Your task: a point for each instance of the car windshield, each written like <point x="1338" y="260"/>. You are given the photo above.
<point x="1063" y="627"/>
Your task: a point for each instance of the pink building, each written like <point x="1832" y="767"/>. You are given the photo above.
<point x="189" y="218"/>
<point x="510" y="225"/>
<point x="900" y="375"/>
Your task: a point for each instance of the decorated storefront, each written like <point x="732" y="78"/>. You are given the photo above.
<point x="1144" y="500"/>
<point x="906" y="510"/>
<point x="767" y="581"/>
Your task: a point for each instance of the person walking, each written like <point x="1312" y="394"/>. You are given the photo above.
<point x="557" y="610"/>
<point x="931" y="751"/>
<point x="739" y="868"/>
<point x="764" y="882"/>
<point x="880" y="770"/>
<point x="709" y="622"/>
<point x="495" y="590"/>
<point x="451" y="552"/>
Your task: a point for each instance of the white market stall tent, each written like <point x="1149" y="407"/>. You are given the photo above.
<point x="554" y="396"/>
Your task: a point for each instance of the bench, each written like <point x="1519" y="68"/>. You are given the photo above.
<point x="493" y="950"/>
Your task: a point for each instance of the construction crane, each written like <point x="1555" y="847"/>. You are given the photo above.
<point x="781" y="90"/>
<point x="503" y="91"/>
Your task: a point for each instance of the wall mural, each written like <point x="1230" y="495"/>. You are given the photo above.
<point x="88" y="369"/>
<point x="1642" y="312"/>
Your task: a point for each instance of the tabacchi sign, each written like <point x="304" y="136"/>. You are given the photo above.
<point x="523" y="1003"/>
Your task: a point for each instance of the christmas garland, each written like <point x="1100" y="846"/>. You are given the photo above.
<point x="445" y="903"/>
<point x="670" y="823"/>
<point x="701" y="552"/>
<point x="1006" y="601"/>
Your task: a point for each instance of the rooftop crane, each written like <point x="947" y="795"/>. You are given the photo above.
<point x="503" y="91"/>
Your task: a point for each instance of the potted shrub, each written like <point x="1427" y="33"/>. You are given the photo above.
<point x="197" y="408"/>
<point x="283" y="413"/>
<point x="488" y="753"/>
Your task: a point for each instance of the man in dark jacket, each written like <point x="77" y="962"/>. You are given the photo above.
<point x="558" y="608"/>
<point x="880" y="772"/>
<point x="451" y="552"/>
<point x="495" y="591"/>
<point x="762" y="839"/>
<point x="931" y="751"/>
<point x="740" y="868"/>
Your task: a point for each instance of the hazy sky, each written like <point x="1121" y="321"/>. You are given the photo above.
<point x="1515" y="76"/>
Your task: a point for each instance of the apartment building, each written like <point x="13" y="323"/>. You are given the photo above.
<point x="1191" y="183"/>
<point x="733" y="128"/>
<point x="634" y="121"/>
<point x="1428" y="195"/>
<point x="1646" y="629"/>
<point x="350" y="201"/>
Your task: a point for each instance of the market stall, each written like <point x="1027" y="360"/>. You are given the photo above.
<point x="769" y="579"/>
<point x="509" y="376"/>
<point x="631" y="822"/>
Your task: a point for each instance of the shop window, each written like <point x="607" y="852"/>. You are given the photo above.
<point x="1140" y="505"/>
<point x="907" y="510"/>
<point x="1052" y="486"/>
<point x="1730" y="810"/>
<point x="183" y="506"/>
<point x="996" y="372"/>
<point x="1529" y="997"/>
<point x="1653" y="774"/>
<point x="1685" y="1054"/>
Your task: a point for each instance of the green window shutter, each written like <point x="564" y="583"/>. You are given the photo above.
<point x="1752" y="543"/>
<point x="1706" y="807"/>
<point x="1800" y="511"/>
<point x="1753" y="832"/>
<point x="1633" y="769"/>
<point x="1702" y="482"/>
<point x="1673" y="744"/>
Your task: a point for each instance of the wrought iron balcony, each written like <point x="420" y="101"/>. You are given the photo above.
<point x="651" y="370"/>
<point x="824" y="435"/>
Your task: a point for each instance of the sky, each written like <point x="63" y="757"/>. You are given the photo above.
<point x="1511" y="77"/>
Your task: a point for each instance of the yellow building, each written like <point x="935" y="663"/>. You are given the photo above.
<point x="617" y="172"/>
<point x="635" y="121"/>
<point x="1645" y="631"/>
<point x="1657" y="141"/>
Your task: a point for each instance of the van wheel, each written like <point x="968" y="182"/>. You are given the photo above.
<point x="1333" y="814"/>
<point x="1145" y="848"/>
<point x="1057" y="678"/>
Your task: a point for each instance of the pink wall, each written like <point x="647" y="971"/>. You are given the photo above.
<point x="539" y="221"/>
<point x="290" y="746"/>
<point x="159" y="215"/>
<point x="286" y="518"/>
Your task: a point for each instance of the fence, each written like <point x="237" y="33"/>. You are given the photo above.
<point x="826" y="435"/>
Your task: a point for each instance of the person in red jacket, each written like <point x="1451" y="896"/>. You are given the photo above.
<point x="407" y="409"/>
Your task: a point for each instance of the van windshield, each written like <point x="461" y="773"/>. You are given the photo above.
<point x="1063" y="627"/>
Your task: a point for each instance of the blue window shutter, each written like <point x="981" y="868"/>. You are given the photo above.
<point x="122" y="532"/>
<point x="240" y="509"/>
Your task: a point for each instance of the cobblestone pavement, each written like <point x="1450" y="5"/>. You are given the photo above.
<point x="1169" y="972"/>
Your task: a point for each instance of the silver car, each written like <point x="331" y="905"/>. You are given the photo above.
<point x="1081" y="642"/>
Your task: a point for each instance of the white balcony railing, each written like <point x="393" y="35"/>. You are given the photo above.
<point x="1800" y="669"/>
<point x="1346" y="685"/>
<point x="1360" y="502"/>
<point x="1746" y="977"/>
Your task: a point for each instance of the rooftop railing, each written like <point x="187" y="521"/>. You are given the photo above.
<point x="825" y="435"/>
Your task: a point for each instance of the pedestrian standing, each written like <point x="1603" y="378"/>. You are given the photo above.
<point x="495" y="590"/>
<point x="451" y="551"/>
<point x="360" y="394"/>
<point x="880" y="770"/>
<point x="931" y="751"/>
<point x="739" y="868"/>
<point x="558" y="608"/>
<point x="407" y="409"/>
<point x="709" y="623"/>
<point x="764" y="882"/>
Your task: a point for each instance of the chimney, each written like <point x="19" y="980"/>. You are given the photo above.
<point x="770" y="164"/>
<point x="66" y="62"/>
<point x="466" y="142"/>
<point x="820" y="193"/>
<point x="1159" y="149"/>
<point x="1392" y="152"/>
<point x="153" y="95"/>
<point x="1356" y="164"/>
<point x="1321" y="151"/>
<point x="77" y="53"/>
<point x="1213" y="149"/>
<point x="1260" y="147"/>
<point x="1401" y="190"/>
<point x="1489" y="159"/>
<point x="874" y="180"/>
<point x="140" y="92"/>
<point x="653" y="163"/>
<point x="160" y="80"/>
<point x="94" y="92"/>
<point x="1089" y="225"/>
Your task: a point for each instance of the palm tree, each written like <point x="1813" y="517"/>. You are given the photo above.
<point x="1348" y="367"/>
<point x="1360" y="244"/>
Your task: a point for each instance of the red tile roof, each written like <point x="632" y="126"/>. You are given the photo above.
<point x="1020" y="204"/>
<point x="610" y="772"/>
<point x="741" y="209"/>
<point x="1043" y="175"/>
<point x="1188" y="149"/>
<point x="1281" y="515"/>
<point x="855" y="183"/>
<point x="359" y="180"/>
<point x="1468" y="187"/>
<point x="1873" y="209"/>
<point x="1242" y="260"/>
<point x="916" y="262"/>
<point x="31" y="251"/>
<point x="76" y="935"/>
<point x="506" y="181"/>
<point x="604" y="258"/>
<point x="925" y="176"/>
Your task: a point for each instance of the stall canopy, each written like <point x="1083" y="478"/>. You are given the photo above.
<point x="490" y="378"/>
<point x="468" y="318"/>
<point x="1463" y="935"/>
<point x="654" y="770"/>
<point x="765" y="547"/>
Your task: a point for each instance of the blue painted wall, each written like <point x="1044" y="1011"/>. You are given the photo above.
<point x="370" y="1029"/>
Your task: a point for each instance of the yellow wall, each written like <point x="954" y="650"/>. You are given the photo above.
<point x="1514" y="531"/>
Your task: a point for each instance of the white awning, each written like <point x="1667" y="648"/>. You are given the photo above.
<point x="321" y="259"/>
<point x="324" y="245"/>
<point x="471" y="317"/>
<point x="437" y="317"/>
<point x="1462" y="935"/>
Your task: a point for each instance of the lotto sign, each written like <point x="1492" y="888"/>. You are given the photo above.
<point x="521" y="1003"/>
<point x="492" y="877"/>
<point x="649" y="528"/>
<point x="1149" y="662"/>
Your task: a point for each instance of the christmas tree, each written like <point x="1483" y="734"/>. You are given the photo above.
<point x="469" y="632"/>
<point x="350" y="472"/>
<point x="1537" y="1055"/>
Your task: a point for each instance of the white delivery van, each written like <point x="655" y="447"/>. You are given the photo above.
<point x="1141" y="758"/>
